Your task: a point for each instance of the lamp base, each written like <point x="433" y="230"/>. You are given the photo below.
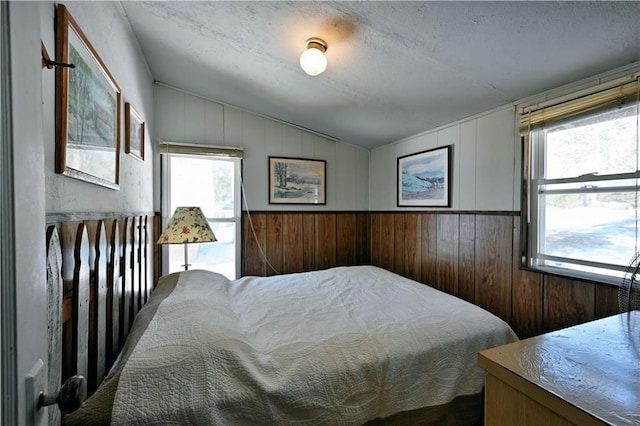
<point x="186" y="258"/>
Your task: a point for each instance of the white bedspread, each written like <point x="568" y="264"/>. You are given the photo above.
<point x="339" y="347"/>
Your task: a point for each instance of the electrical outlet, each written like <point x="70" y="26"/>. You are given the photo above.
<point x="35" y="384"/>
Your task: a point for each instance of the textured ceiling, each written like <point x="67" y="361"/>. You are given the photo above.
<point x="395" y="69"/>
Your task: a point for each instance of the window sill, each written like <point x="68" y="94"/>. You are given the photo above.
<point x="575" y="275"/>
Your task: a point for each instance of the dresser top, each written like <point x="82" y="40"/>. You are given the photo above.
<point x="593" y="366"/>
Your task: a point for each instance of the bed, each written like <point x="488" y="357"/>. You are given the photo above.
<point x="347" y="345"/>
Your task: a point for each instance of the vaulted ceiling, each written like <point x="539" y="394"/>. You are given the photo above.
<point x="395" y="68"/>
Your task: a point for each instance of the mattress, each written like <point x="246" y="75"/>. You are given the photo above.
<point x="346" y="345"/>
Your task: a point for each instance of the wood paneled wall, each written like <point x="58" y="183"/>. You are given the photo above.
<point x="474" y="256"/>
<point x="297" y="242"/>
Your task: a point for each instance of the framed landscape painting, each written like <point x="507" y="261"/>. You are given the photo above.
<point x="297" y="181"/>
<point x="87" y="109"/>
<point x="134" y="132"/>
<point x="424" y="178"/>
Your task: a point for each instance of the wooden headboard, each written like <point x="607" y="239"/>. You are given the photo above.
<point x="100" y="272"/>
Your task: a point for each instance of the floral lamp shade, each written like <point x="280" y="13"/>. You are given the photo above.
<point x="187" y="225"/>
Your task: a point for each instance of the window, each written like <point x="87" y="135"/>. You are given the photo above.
<point x="208" y="178"/>
<point x="581" y="180"/>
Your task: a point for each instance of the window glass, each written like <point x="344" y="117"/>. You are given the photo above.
<point x="584" y="205"/>
<point x="604" y="144"/>
<point x="211" y="183"/>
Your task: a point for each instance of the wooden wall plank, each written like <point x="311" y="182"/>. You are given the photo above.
<point x="494" y="264"/>
<point x="398" y="252"/>
<point x="386" y="243"/>
<point x="274" y="243"/>
<point x="429" y="248"/>
<point x="567" y="303"/>
<point x="526" y="294"/>
<point x="309" y="242"/>
<point x="254" y="263"/>
<point x="606" y="301"/>
<point x="346" y="246"/>
<point x="325" y="240"/>
<point x="292" y="243"/>
<point x="376" y="240"/>
<point x="447" y="253"/>
<point x="466" y="258"/>
<point x="412" y="247"/>
<point x="363" y="247"/>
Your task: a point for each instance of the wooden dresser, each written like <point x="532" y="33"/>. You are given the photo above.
<point x="583" y="375"/>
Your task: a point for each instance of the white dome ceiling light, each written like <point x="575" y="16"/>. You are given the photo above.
<point x="312" y="60"/>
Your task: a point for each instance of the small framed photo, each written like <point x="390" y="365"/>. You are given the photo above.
<point x="134" y="129"/>
<point x="424" y="178"/>
<point x="297" y="181"/>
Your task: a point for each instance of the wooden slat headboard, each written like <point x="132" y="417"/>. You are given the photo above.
<point x="100" y="272"/>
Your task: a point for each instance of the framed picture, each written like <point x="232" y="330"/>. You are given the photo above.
<point x="87" y="109"/>
<point x="297" y="181"/>
<point x="424" y="178"/>
<point x="134" y="131"/>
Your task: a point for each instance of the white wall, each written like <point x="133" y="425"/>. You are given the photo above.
<point x="108" y="30"/>
<point x="486" y="164"/>
<point x="183" y="117"/>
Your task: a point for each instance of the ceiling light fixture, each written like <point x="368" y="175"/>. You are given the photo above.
<point x="312" y="60"/>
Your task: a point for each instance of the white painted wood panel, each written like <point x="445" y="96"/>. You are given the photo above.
<point x="451" y="136"/>
<point x="467" y="166"/>
<point x="255" y="170"/>
<point x="495" y="161"/>
<point x="188" y="118"/>
<point x="194" y="119"/>
<point x="214" y="123"/>
<point x="484" y="157"/>
<point x="169" y="109"/>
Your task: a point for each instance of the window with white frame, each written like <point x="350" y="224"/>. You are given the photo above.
<point x="581" y="179"/>
<point x="209" y="178"/>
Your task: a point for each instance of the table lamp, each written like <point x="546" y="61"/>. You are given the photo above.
<point x="187" y="225"/>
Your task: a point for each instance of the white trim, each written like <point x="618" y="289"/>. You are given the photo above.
<point x="8" y="330"/>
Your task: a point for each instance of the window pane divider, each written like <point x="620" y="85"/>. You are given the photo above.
<point x="590" y="190"/>
<point x="588" y="178"/>
<point x="621" y="268"/>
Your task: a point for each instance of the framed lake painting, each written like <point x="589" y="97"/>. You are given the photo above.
<point x="87" y="109"/>
<point x="424" y="178"/>
<point x="297" y="181"/>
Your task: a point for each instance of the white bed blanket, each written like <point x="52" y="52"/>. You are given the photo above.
<point x="339" y="347"/>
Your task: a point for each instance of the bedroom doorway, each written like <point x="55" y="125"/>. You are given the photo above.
<point x="208" y="178"/>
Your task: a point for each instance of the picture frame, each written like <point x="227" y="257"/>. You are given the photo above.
<point x="424" y="178"/>
<point x="88" y="109"/>
<point x="134" y="132"/>
<point x="297" y="181"/>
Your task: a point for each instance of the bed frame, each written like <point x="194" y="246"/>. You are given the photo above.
<point x="100" y="272"/>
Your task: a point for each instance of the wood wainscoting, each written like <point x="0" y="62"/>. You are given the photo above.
<point x="301" y="241"/>
<point x="472" y="255"/>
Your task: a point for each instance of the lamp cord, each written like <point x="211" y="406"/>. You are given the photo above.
<point x="253" y="231"/>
